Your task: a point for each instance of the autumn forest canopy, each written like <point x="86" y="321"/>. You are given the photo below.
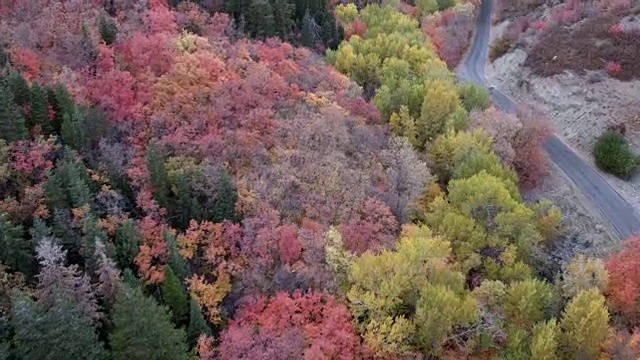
<point x="279" y="179"/>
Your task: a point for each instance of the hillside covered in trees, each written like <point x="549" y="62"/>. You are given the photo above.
<point x="267" y="179"/>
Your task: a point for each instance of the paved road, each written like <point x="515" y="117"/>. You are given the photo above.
<point x="624" y="219"/>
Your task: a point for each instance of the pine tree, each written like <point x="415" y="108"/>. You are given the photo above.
<point x="197" y="324"/>
<point x="143" y="329"/>
<point x="308" y="33"/>
<point x="59" y="332"/>
<point x="15" y="251"/>
<point x="39" y="109"/>
<point x="174" y="296"/>
<point x="329" y="31"/>
<point x="68" y="184"/>
<point x="71" y="132"/>
<point x="282" y="17"/>
<point x="260" y="20"/>
<point x="61" y="103"/>
<point x="108" y="29"/>
<point x="158" y="174"/>
<point x="176" y="261"/>
<point x="19" y="87"/>
<point x="12" y="124"/>
<point x="227" y="196"/>
<point x="127" y="244"/>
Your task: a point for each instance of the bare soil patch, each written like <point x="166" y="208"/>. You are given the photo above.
<point x="588" y="45"/>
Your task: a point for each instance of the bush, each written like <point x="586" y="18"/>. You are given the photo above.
<point x="612" y="154"/>
<point x="500" y="47"/>
<point x="474" y="97"/>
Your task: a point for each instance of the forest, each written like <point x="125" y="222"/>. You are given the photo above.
<point x="276" y="179"/>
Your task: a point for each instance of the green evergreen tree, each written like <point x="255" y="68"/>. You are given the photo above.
<point x="197" y="324"/>
<point x="174" y="296"/>
<point x="127" y="244"/>
<point x="12" y="124"/>
<point x="60" y="332"/>
<point x="158" y="174"/>
<point x="62" y="104"/>
<point x="108" y="29"/>
<point x="227" y="196"/>
<point x="68" y="184"/>
<point x="260" y="20"/>
<point x="19" y="87"/>
<point x="185" y="205"/>
<point x="39" y="109"/>
<point x="15" y="251"/>
<point x="71" y="131"/>
<point x="330" y="31"/>
<point x="176" y="261"/>
<point x="283" y="17"/>
<point x="143" y="329"/>
<point x="308" y="36"/>
<point x="92" y="233"/>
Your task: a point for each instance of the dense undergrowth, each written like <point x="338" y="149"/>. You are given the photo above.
<point x="170" y="188"/>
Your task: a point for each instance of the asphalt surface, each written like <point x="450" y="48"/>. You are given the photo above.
<point x="622" y="216"/>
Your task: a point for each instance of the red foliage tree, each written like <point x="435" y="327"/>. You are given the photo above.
<point x="623" y="291"/>
<point x="153" y="251"/>
<point x="26" y="61"/>
<point x="289" y="246"/>
<point x="374" y="228"/>
<point x="529" y="161"/>
<point x="304" y="326"/>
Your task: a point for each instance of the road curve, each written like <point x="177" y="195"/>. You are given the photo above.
<point x="622" y="216"/>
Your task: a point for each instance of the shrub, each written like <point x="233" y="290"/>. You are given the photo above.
<point x="474" y="96"/>
<point x="613" y="68"/>
<point x="500" y="47"/>
<point x="612" y="154"/>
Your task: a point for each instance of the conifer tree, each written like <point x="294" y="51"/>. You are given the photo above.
<point x="174" y="296"/>
<point x="260" y="20"/>
<point x="127" y="244"/>
<point x="19" y="87"/>
<point x="71" y="132"/>
<point x="61" y="331"/>
<point x="108" y="29"/>
<point x="227" y="196"/>
<point x="282" y="17"/>
<point x="197" y="324"/>
<point x="158" y="174"/>
<point x="12" y="124"/>
<point x="61" y="103"/>
<point x="143" y="329"/>
<point x="308" y="33"/>
<point x="39" y="109"/>
<point x="15" y="251"/>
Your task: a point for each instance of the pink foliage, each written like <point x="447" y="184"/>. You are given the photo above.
<point x="613" y="68"/>
<point x="357" y="27"/>
<point x="529" y="162"/>
<point x="450" y="33"/>
<point x="289" y="245"/>
<point x="538" y="25"/>
<point x="114" y="92"/>
<point x="26" y="61"/>
<point x="615" y="30"/>
<point x="374" y="228"/>
<point x="31" y="158"/>
<point x="160" y="19"/>
<point x="305" y="326"/>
